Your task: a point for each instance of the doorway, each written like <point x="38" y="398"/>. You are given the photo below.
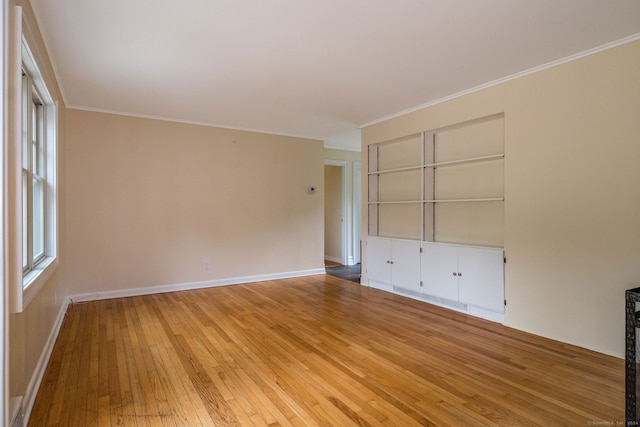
<point x="334" y="214"/>
<point x="343" y="188"/>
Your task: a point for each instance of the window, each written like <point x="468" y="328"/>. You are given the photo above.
<point x="33" y="176"/>
<point x="38" y="161"/>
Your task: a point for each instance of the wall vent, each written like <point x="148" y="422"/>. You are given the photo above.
<point x="447" y="302"/>
<point x="434" y="300"/>
<point x="408" y="292"/>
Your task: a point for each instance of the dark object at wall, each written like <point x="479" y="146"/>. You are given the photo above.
<point x="632" y="356"/>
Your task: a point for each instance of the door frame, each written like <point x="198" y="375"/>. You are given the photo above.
<point x="4" y="253"/>
<point x="356" y="221"/>
<point x="347" y="242"/>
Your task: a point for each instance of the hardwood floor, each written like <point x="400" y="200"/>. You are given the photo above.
<point x="313" y="351"/>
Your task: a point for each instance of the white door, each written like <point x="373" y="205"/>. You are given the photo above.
<point x="378" y="259"/>
<point x="482" y="277"/>
<point x="405" y="270"/>
<point x="440" y="270"/>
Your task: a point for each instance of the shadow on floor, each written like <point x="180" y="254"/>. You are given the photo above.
<point x="347" y="272"/>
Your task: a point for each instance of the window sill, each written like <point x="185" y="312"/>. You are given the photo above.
<point x="33" y="281"/>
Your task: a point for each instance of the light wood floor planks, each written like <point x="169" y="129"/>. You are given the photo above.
<point x="313" y="351"/>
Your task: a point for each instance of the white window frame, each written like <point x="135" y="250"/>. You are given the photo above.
<point x="38" y="271"/>
<point x="33" y="175"/>
<point x="4" y="216"/>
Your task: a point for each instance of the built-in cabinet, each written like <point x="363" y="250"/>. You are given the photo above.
<point x="470" y="275"/>
<point x="465" y="278"/>
<point x="395" y="262"/>
<point x="436" y="216"/>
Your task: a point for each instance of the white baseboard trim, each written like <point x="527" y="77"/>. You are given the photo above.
<point x="191" y="285"/>
<point x="38" y="374"/>
<point x="16" y="415"/>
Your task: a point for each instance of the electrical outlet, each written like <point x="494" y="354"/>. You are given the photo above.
<point x="205" y="265"/>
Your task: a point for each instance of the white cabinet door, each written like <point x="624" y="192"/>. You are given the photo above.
<point x="378" y="259"/>
<point x="481" y="277"/>
<point x="439" y="263"/>
<point x="394" y="262"/>
<point x="466" y="274"/>
<point x="405" y="270"/>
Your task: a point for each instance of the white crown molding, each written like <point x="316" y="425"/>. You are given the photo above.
<point x="527" y="72"/>
<point x="188" y="122"/>
<point x="335" y="147"/>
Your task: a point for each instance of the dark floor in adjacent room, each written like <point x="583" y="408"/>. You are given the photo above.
<point x="347" y="272"/>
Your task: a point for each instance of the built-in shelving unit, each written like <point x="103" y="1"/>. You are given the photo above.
<point x="436" y="214"/>
<point x="412" y="178"/>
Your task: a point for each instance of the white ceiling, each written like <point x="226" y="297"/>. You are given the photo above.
<point x="312" y="68"/>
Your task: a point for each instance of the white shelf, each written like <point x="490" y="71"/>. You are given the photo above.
<point x="468" y="160"/>
<point x="396" y="202"/>
<point x="437" y="164"/>
<point x="476" y="147"/>
<point x="408" y="168"/>
<point x="482" y="199"/>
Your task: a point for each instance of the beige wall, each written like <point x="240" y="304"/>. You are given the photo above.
<point x="333" y="213"/>
<point x="30" y="330"/>
<point x="149" y="201"/>
<point x="572" y="211"/>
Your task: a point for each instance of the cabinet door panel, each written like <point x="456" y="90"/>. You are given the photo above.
<point x="405" y="270"/>
<point x="482" y="280"/>
<point x="439" y="262"/>
<point x="378" y="255"/>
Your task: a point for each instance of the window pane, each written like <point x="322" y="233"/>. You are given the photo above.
<point x="34" y="137"/>
<point x="38" y="218"/>
<point x="33" y="119"/>
<point x="25" y="220"/>
<point x="38" y="137"/>
<point x="26" y="124"/>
